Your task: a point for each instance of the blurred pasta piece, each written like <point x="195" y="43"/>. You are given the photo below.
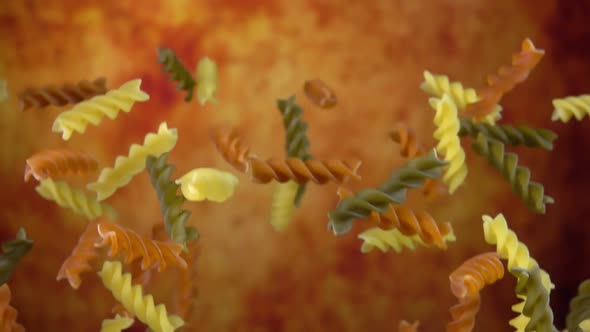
<point x="116" y="324"/>
<point x="56" y="163"/>
<point x="404" y="326"/>
<point x="4" y="94"/>
<point x="12" y="253"/>
<point x="8" y="314"/>
<point x="63" y="95"/>
<point x="178" y="72"/>
<point x="320" y="93"/>
<point x="81" y="258"/>
<point x="283" y="207"/>
<point x="571" y="107"/>
<point x="229" y="145"/>
<point x="207" y="81"/>
<point x="209" y="184"/>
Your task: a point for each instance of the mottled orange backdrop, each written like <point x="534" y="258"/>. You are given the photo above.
<point x="373" y="54"/>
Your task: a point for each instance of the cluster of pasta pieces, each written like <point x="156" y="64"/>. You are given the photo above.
<point x="125" y="260"/>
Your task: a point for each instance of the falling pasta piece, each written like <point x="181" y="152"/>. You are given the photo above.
<point x="59" y="162"/>
<point x="579" y="308"/>
<point x="303" y="171"/>
<point x="12" y="253"/>
<point x="207" y="81"/>
<point x="510" y="135"/>
<point x="585" y="325"/>
<point x="116" y="324"/>
<point x="8" y="313"/>
<point x="62" y="95"/>
<point x="475" y="273"/>
<point x="384" y="240"/>
<point x="81" y="257"/>
<point x="126" y="167"/>
<point x="208" y="184"/>
<point x="230" y="146"/>
<point x="177" y="71"/>
<point x="282" y="205"/>
<point x="536" y="305"/>
<point x="320" y="93"/>
<point x="4" y="91"/>
<point x="569" y="107"/>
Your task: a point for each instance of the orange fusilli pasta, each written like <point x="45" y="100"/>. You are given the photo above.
<point x="59" y="162"/>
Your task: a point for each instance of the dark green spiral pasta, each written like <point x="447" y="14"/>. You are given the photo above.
<point x="511" y="135"/>
<point x="536" y="306"/>
<point x="579" y="307"/>
<point x="177" y="71"/>
<point x="362" y="203"/>
<point x="519" y="177"/>
<point x="296" y="142"/>
<point x="13" y="252"/>
<point x="170" y="203"/>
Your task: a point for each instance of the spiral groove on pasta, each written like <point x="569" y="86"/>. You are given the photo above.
<point x="463" y="314"/>
<point x="536" y="306"/>
<point x="187" y="288"/>
<point x="510" y="135"/>
<point x="12" y="253"/>
<point x="209" y="184"/>
<point x="405" y="326"/>
<point x="207" y="81"/>
<point x="446" y="120"/>
<point x="62" y="95"/>
<point x="178" y="72"/>
<point x="8" y="314"/>
<point x="79" y="260"/>
<point x="126" y="167"/>
<point x="175" y="216"/>
<point x="282" y="205"/>
<point x="569" y="107"/>
<point x="303" y="171"/>
<point x="361" y="204"/>
<point x="385" y="239"/>
<point x="519" y="177"/>
<point x="92" y="111"/>
<point x="59" y="162"/>
<point x="131" y="296"/>
<point x="74" y="199"/>
<point x="116" y="324"/>
<point x="229" y="145"/>
<point x="506" y="79"/>
<point x="153" y="253"/>
<point x="475" y="273"/>
<point x="320" y="93"/>
<point x="579" y="308"/>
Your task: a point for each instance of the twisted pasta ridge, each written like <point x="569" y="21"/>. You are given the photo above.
<point x="175" y="216"/>
<point x="385" y="239"/>
<point x="475" y="273"/>
<point x="116" y="324"/>
<point x="207" y="81"/>
<point x="511" y="135"/>
<point x="178" y="72"/>
<point x="536" y="305"/>
<point x="59" y="162"/>
<point x="519" y="177"/>
<point x="210" y="184"/>
<point x="463" y="314"/>
<point x="569" y="107"/>
<point x="131" y="296"/>
<point x="92" y="111"/>
<point x="153" y="253"/>
<point x="62" y="95"/>
<point x="126" y="167"/>
<point x="282" y="205"/>
<point x="361" y="204"/>
<point x="297" y="143"/>
<point x="320" y="93"/>
<point x="404" y="326"/>
<point x="12" y="252"/>
<point x="449" y="144"/>
<point x="8" y="313"/>
<point x="579" y="308"/>
<point x="187" y="289"/>
<point x="4" y="95"/>
<point x="229" y="145"/>
<point x="79" y="260"/>
<point x="303" y="171"/>
<point x="506" y="79"/>
<point x="74" y="199"/>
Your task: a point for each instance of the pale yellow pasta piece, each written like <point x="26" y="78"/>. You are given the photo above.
<point x="133" y="300"/>
<point x="3" y="91"/>
<point x="385" y="239"/>
<point x="116" y="324"/>
<point x="207" y="81"/>
<point x="126" y="167"/>
<point x="585" y="325"/>
<point x="92" y="111"/>
<point x="67" y="197"/>
<point x="569" y="107"/>
<point x="283" y="206"/>
<point x="447" y="122"/>
<point x="210" y="184"/>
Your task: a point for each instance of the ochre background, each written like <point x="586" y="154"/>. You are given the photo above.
<point x="372" y="53"/>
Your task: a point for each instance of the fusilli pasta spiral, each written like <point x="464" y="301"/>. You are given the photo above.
<point x="320" y="93"/>
<point x="519" y="177"/>
<point x="229" y="145"/>
<point x="12" y="252"/>
<point x="511" y="135"/>
<point x="132" y="297"/>
<point x="67" y="197"/>
<point x="579" y="308"/>
<point x="210" y="184"/>
<point x="59" y="162"/>
<point x="92" y="111"/>
<point x="116" y="324"/>
<point x="8" y="313"/>
<point x="536" y="305"/>
<point x="177" y="71"/>
<point x="303" y="171"/>
<point x="207" y="81"/>
<point x="126" y="167"/>
<point x="62" y="95"/>
<point x="404" y="326"/>
<point x="385" y="239"/>
<point x="475" y="273"/>
<point x="569" y="107"/>
<point x="82" y="255"/>
<point x="463" y="314"/>
<point x="282" y="205"/>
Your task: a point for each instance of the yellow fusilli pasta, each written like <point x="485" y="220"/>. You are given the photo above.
<point x="575" y="106"/>
<point x="384" y="240"/>
<point x="126" y="167"/>
<point x="67" y="197"/>
<point x="282" y="205"/>
<point x="207" y="184"/>
<point x="207" y="81"/>
<point x="116" y="324"/>
<point x="131" y="296"/>
<point x="585" y="325"/>
<point x="95" y="109"/>
<point x="449" y="144"/>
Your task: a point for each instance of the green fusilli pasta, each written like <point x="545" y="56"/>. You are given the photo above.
<point x="536" y="305"/>
<point x="170" y="202"/>
<point x="177" y="71"/>
<point x="361" y="204"/>
<point x="511" y="135"/>
<point x="13" y="252"/>
<point x="579" y="308"/>
<point x="519" y="177"/>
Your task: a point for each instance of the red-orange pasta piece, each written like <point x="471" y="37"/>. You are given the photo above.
<point x="303" y="171"/>
<point x="464" y="314"/>
<point x="81" y="257"/>
<point x="229" y="145"/>
<point x="58" y="163"/>
<point x="320" y="93"/>
<point x="8" y="313"/>
<point x="61" y="95"/>
<point x="476" y="272"/>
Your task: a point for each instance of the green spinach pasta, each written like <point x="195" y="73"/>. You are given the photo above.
<point x="13" y="252"/>
<point x="510" y="135"/>
<point x="177" y="71"/>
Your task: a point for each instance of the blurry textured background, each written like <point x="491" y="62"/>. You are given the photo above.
<point x="373" y="54"/>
